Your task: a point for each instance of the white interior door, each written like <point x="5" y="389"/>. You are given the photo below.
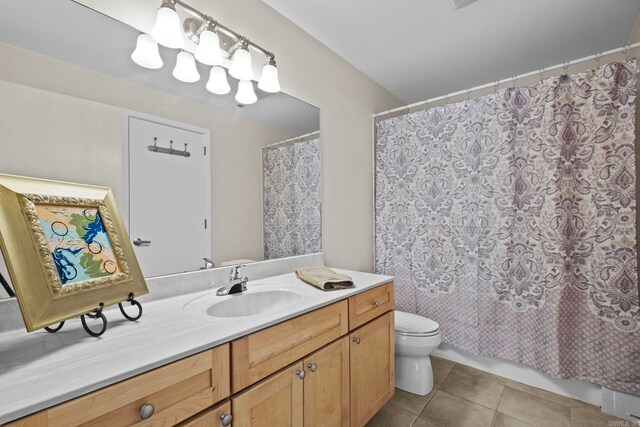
<point x="168" y="198"/>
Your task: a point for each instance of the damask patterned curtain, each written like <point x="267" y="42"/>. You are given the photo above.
<point x="510" y="219"/>
<point x="291" y="199"/>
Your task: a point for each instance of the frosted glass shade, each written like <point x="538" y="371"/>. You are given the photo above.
<point x="167" y="31"/>
<point x="269" y="79"/>
<point x="241" y="65"/>
<point x="146" y="53"/>
<point x="246" y="94"/>
<point x="185" y="69"/>
<point x="208" y="50"/>
<point x="218" y="82"/>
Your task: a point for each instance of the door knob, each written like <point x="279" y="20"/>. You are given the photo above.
<point x="312" y="367"/>
<point x="146" y="411"/>
<point x="226" y="419"/>
<point x="301" y="374"/>
<point x="356" y="340"/>
<point x="375" y="303"/>
<point x="139" y="242"/>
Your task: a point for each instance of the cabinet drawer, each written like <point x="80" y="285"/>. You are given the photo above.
<point x="369" y="305"/>
<point x="211" y="417"/>
<point x="262" y="353"/>
<point x="177" y="391"/>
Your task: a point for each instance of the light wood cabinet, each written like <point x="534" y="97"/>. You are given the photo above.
<point x="276" y="401"/>
<point x="175" y="392"/>
<point x="333" y="366"/>
<point x="371" y="368"/>
<point x="326" y="386"/>
<point x="264" y="352"/>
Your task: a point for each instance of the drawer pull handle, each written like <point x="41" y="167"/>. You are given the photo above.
<point x="146" y="411"/>
<point x="313" y="367"/>
<point x="356" y="340"/>
<point x="226" y="419"/>
<point x="375" y="303"/>
<point x="301" y="374"/>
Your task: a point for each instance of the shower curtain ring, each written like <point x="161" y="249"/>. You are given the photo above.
<point x="468" y="94"/>
<point x="515" y="82"/>
<point x="565" y="67"/>
<point x="625" y="52"/>
<point x="496" y="85"/>
<point x="598" y="57"/>
<point x="541" y="73"/>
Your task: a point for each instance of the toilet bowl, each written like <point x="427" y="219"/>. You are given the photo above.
<point x="416" y="337"/>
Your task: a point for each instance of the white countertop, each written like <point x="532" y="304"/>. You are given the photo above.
<point x="39" y="370"/>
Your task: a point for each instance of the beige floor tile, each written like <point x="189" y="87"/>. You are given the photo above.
<point x="478" y="389"/>
<point x="441" y="360"/>
<point x="453" y="411"/>
<point x="473" y="371"/>
<point x="391" y="415"/>
<point x="423" y="422"/>
<point x="413" y="403"/>
<point x="539" y="392"/>
<point x="502" y="420"/>
<point x="440" y="372"/>
<point x="593" y="417"/>
<point x="534" y="409"/>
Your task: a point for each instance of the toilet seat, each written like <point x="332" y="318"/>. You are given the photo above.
<point x="413" y="325"/>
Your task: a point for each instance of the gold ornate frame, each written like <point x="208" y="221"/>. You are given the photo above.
<point x="42" y="298"/>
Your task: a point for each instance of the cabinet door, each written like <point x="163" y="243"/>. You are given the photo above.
<point x="276" y="401"/>
<point x="372" y="368"/>
<point x="326" y="386"/>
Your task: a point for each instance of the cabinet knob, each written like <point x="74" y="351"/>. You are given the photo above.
<point x="356" y="340"/>
<point x="226" y="419"/>
<point x="301" y="374"/>
<point x="375" y="303"/>
<point x="312" y="367"/>
<point x="146" y="411"/>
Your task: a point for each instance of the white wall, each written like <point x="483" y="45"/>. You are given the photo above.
<point x="70" y="135"/>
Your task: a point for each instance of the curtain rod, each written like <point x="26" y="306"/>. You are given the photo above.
<point x="292" y="140"/>
<point x="510" y="79"/>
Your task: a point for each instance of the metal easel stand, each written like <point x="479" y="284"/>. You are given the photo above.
<point x="97" y="314"/>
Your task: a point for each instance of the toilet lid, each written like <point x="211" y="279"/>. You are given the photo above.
<point x="414" y="325"/>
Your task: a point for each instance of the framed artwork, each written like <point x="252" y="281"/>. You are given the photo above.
<point x="66" y="249"/>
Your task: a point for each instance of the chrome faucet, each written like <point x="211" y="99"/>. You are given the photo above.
<point x="236" y="285"/>
<point x="208" y="264"/>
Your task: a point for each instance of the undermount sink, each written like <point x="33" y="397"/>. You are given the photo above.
<point x="250" y="304"/>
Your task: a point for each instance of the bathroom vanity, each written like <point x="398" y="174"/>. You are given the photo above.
<point x="325" y="359"/>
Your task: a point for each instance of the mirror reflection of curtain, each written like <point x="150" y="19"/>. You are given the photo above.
<point x="291" y="198"/>
<point x="510" y="220"/>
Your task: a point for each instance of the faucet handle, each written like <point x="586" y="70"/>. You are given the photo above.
<point x="234" y="271"/>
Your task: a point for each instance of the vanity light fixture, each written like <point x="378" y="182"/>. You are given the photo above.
<point x="269" y="78"/>
<point x="185" y="69"/>
<point x="246" y="95"/>
<point x="216" y="46"/>
<point x="208" y="50"/>
<point x="146" y="54"/>
<point x="241" y="67"/>
<point x="167" y="30"/>
<point x="218" y="83"/>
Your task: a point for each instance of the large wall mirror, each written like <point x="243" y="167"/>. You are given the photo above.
<point x="75" y="107"/>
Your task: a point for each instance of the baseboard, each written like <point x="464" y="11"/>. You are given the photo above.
<point x="579" y="390"/>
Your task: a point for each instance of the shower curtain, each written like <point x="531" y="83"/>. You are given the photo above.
<point x="291" y="199"/>
<point x="510" y="219"/>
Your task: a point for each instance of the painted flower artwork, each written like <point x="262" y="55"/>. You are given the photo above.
<point x="79" y="244"/>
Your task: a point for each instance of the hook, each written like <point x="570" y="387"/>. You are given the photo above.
<point x="155" y="141"/>
<point x="185" y="148"/>
<point x="171" y="146"/>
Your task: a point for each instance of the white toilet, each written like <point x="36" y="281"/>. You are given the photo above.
<point x="416" y="337"/>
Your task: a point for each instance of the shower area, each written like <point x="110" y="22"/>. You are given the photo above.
<point x="510" y="219"/>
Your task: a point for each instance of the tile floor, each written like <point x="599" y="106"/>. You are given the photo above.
<point x="463" y="396"/>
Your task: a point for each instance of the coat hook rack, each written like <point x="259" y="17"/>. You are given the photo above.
<point x="164" y="150"/>
<point x="97" y="314"/>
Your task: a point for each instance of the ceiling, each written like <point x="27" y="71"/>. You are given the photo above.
<point x="77" y="34"/>
<point x="418" y="49"/>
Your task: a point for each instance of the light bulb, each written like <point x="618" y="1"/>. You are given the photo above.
<point x="241" y="65"/>
<point x="218" y="83"/>
<point x="269" y="78"/>
<point x="246" y="94"/>
<point x="146" y="53"/>
<point x="208" y="50"/>
<point x="185" y="69"/>
<point x="167" y="30"/>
